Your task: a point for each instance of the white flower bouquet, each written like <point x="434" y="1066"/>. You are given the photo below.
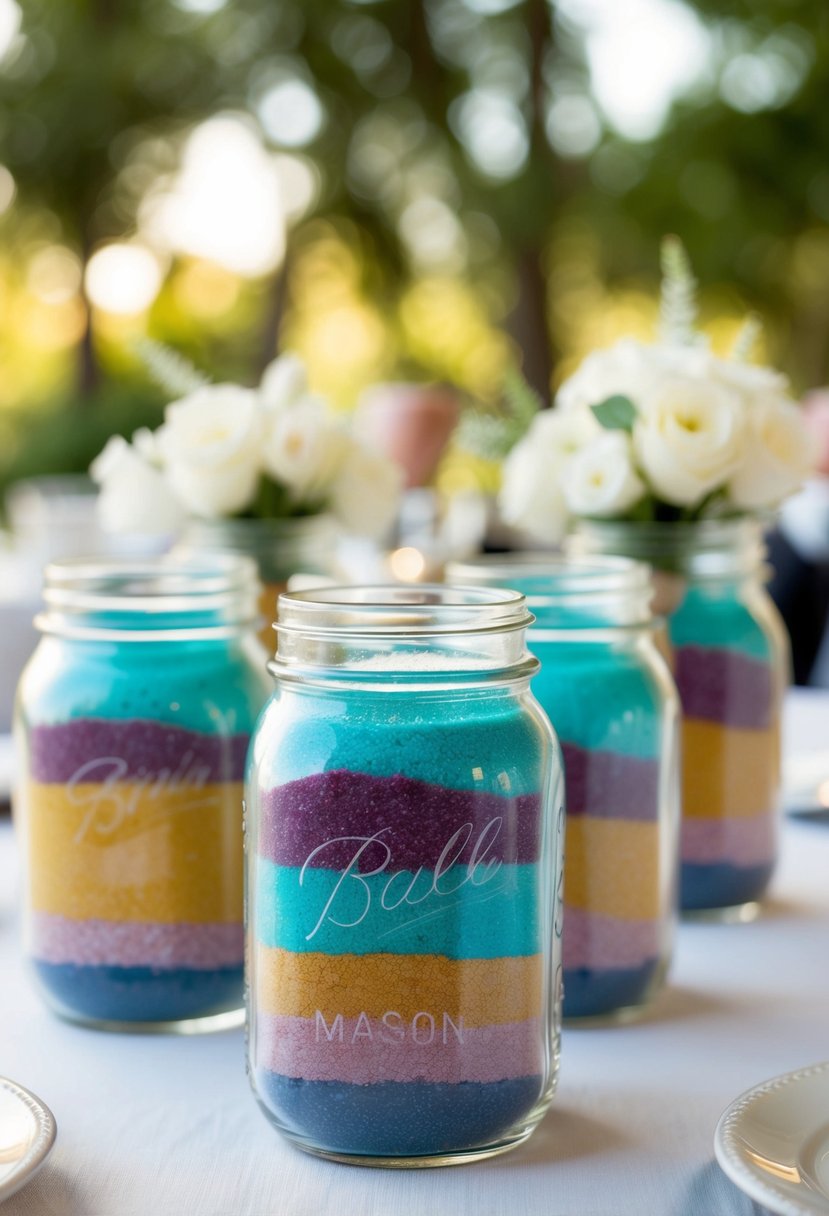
<point x="227" y="451"/>
<point x="661" y="432"/>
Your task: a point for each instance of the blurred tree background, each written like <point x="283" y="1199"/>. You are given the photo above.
<point x="396" y="188"/>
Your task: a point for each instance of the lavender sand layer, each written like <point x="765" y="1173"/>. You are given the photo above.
<point x="418" y="818"/>
<point x="724" y="686"/>
<point x="99" y="749"/>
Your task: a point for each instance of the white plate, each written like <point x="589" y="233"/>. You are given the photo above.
<point x="774" y="1142"/>
<point x="27" y="1132"/>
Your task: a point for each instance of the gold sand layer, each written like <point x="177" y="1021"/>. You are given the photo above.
<point x="483" y="991"/>
<point x="728" y="771"/>
<point x="131" y="852"/>
<point x="612" y="867"/>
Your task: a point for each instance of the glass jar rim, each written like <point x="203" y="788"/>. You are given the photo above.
<point x="567" y="575"/>
<point x="418" y="610"/>
<point x="403" y="637"/>
<point x="163" y="598"/>
<point x="618" y="590"/>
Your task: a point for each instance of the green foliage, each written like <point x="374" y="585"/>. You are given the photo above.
<point x="66" y="437"/>
<point x="491" y="435"/>
<point x="97" y="103"/>
<point x="274" y="501"/>
<point x="678" y="296"/>
<point x="175" y="374"/>
<point x="617" y="413"/>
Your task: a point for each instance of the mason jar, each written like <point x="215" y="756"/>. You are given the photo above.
<point x="133" y="720"/>
<point x="404" y="836"/>
<point x="607" y="691"/>
<point x="729" y="653"/>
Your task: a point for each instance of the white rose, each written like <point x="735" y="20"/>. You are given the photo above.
<point x="135" y="496"/>
<point x="629" y="369"/>
<point x="562" y="433"/>
<point x="366" y="492"/>
<point x="531" y="497"/>
<point x="284" y="382"/>
<point x="211" y="447"/>
<point x="689" y="438"/>
<point x="778" y="456"/>
<point x="600" y="479"/>
<point x="304" y="448"/>
<point x="145" y="443"/>
<point x="749" y="378"/>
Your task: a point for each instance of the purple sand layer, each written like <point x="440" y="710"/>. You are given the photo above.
<point x="724" y="686"/>
<point x="416" y="820"/>
<point x="130" y="749"/>
<point x="610" y="785"/>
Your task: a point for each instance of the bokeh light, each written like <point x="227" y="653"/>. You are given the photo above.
<point x="224" y="204"/>
<point x="642" y="55"/>
<point x="123" y="279"/>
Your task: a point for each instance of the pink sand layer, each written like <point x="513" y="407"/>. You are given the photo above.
<point x="298" y="1047"/>
<point x="96" y="943"/>
<point x="746" y="840"/>
<point x="591" y="940"/>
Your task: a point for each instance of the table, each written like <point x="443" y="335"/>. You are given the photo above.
<point x="158" y="1126"/>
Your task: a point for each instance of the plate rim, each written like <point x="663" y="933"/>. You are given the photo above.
<point x="37" y="1154"/>
<point x="731" y="1159"/>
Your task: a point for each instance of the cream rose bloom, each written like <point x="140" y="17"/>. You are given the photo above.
<point x="211" y="447"/>
<point x="532" y="494"/>
<point x="134" y="494"/>
<point x="778" y="456"/>
<point x="629" y="369"/>
<point x="365" y="494"/>
<point x="689" y="438"/>
<point x="304" y="448"/>
<point x="749" y="379"/>
<point x="601" y="478"/>
<point x="562" y="433"/>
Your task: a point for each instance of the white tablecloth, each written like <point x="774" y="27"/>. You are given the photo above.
<point x="157" y="1126"/>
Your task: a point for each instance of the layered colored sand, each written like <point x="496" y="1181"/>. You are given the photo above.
<point x="135" y="859"/>
<point x="615" y="886"/>
<point x="397" y="971"/>
<point x="608" y="714"/>
<point x="731" y="759"/>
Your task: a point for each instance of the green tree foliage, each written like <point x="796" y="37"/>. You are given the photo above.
<point x="409" y="90"/>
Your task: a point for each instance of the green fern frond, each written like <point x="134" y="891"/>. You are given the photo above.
<point x="678" y="297"/>
<point x="484" y="435"/>
<point x="521" y="399"/>
<point x="171" y="370"/>
<point x="746" y="338"/>
<point x="492" y="434"/>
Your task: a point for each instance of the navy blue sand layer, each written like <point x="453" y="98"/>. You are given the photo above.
<point x="141" y="994"/>
<point x="397" y="1119"/>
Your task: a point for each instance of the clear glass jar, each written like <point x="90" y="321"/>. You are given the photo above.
<point x="404" y="841"/>
<point x="607" y="691"/>
<point x="729" y="654"/>
<point x="133" y="720"/>
<point x="304" y="544"/>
